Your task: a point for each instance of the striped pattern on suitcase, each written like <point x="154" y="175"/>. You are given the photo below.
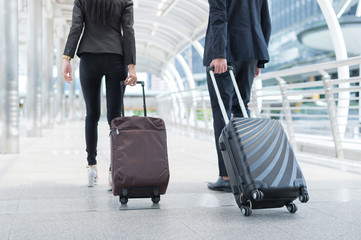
<point x="261" y="165"/>
<point x="267" y="152"/>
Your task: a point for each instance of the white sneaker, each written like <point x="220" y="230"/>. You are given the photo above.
<point x="91" y="176"/>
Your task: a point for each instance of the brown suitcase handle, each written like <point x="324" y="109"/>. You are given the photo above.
<point x="122" y="100"/>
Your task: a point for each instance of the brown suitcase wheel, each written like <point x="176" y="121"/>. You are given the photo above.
<point x="123" y="200"/>
<point x="156" y="199"/>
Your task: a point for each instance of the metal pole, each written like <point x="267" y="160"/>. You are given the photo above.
<point x="341" y="54"/>
<point x="34" y="90"/>
<point x="359" y="99"/>
<point x="48" y="56"/>
<point x="60" y="97"/>
<point x="9" y="93"/>
<point x="358" y="10"/>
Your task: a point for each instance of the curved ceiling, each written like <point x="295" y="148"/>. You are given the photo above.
<point x="163" y="28"/>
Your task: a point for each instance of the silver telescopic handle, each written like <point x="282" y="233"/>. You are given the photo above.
<point x="220" y="101"/>
<point x="238" y="93"/>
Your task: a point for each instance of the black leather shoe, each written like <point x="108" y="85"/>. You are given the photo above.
<point x="220" y="185"/>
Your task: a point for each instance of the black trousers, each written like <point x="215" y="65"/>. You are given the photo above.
<point x="244" y="73"/>
<point x="92" y="69"/>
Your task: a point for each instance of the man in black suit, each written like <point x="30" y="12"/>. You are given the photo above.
<point x="238" y="34"/>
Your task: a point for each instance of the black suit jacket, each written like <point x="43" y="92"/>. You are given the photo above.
<point x="117" y="37"/>
<point x="238" y="30"/>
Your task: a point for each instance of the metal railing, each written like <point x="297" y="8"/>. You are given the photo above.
<point x="316" y="108"/>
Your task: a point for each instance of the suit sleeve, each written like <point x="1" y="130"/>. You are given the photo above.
<point x="266" y="26"/>
<point x="128" y="34"/>
<point x="218" y="23"/>
<point x="266" y="21"/>
<point x="75" y="30"/>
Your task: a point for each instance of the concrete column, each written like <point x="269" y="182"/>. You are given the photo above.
<point x="48" y="81"/>
<point x="33" y="102"/>
<point x="359" y="102"/>
<point x="9" y="95"/>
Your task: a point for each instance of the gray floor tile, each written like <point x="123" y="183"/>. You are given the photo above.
<point x="6" y="222"/>
<point x="8" y="207"/>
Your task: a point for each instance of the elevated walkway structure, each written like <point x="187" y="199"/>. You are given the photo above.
<point x="43" y="192"/>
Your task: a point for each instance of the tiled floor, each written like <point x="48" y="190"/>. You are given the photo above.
<point x="43" y="195"/>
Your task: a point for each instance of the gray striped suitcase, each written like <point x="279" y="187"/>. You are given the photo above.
<point x="260" y="162"/>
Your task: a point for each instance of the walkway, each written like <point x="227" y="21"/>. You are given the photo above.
<point x="43" y="195"/>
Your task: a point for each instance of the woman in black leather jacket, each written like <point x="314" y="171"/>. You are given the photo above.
<point x="106" y="48"/>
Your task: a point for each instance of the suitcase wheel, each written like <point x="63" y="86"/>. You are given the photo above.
<point x="246" y="211"/>
<point x="156" y="199"/>
<point x="257" y="195"/>
<point x="123" y="200"/>
<point x="304" y="198"/>
<point x="292" y="208"/>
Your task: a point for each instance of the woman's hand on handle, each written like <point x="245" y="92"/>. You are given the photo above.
<point x="132" y="77"/>
<point x="67" y="71"/>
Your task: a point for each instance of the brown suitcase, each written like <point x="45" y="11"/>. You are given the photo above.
<point x="139" y="158"/>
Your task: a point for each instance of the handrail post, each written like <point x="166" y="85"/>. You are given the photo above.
<point x="254" y="97"/>
<point x="287" y="112"/>
<point x="194" y="108"/>
<point x="205" y="114"/>
<point x="331" y="106"/>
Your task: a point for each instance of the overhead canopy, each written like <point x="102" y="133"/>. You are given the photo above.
<point x="318" y="36"/>
<point x="163" y="28"/>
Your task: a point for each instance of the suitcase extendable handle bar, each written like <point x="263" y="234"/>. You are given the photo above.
<point x="122" y="101"/>
<point x="211" y="68"/>
<point x="219" y="97"/>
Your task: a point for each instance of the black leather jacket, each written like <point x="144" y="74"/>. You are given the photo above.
<point x="117" y="37"/>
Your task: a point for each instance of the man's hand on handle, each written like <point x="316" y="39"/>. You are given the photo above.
<point x="258" y="72"/>
<point x="220" y="65"/>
